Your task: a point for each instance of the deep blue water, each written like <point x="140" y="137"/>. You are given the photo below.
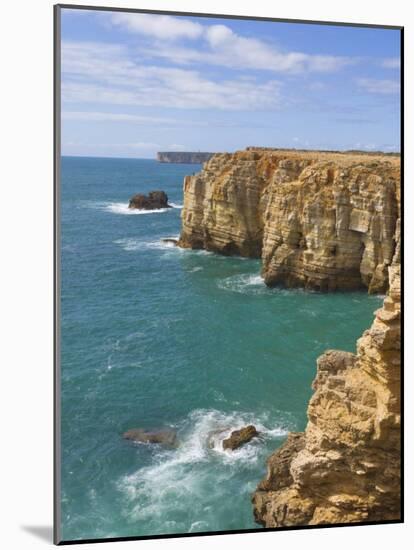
<point x="154" y="336"/>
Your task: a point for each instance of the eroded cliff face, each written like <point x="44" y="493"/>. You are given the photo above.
<point x="320" y="220"/>
<point x="222" y="206"/>
<point x="345" y="467"/>
<point x="325" y="221"/>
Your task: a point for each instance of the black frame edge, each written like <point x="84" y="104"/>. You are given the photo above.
<point x="402" y="214"/>
<point x="223" y="16"/>
<point x="56" y="272"/>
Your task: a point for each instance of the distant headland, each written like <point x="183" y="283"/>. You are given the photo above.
<point x="184" y="157"/>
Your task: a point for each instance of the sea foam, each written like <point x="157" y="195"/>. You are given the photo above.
<point x="122" y="208"/>
<point x="243" y="284"/>
<point x="184" y="482"/>
<point x="131" y="244"/>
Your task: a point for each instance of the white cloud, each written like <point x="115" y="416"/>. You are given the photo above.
<point x="316" y="86"/>
<point x="218" y="35"/>
<point x="233" y="50"/>
<point x="366" y="146"/>
<point x="387" y="148"/>
<point x="139" y="145"/>
<point x="164" y="27"/>
<point x="101" y="73"/>
<point x="221" y="46"/>
<point x="139" y="149"/>
<point x="202" y="94"/>
<point x="378" y="86"/>
<point x="301" y="142"/>
<point x="95" y="116"/>
<point x="247" y="53"/>
<point x="165" y="122"/>
<point x="391" y="63"/>
<point x="176" y="147"/>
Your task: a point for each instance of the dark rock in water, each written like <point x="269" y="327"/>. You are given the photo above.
<point x="169" y="240"/>
<point x="152" y="201"/>
<point x="240" y="437"/>
<point x="163" y="437"/>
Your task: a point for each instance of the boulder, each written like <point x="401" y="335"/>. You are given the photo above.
<point x="152" y="201"/>
<point x="165" y="437"/>
<point x="240" y="437"/>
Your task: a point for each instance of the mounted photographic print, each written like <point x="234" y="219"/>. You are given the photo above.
<point x="228" y="291"/>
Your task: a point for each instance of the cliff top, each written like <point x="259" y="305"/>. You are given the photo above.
<point x="329" y="151"/>
<point x="338" y="158"/>
<point x="343" y="158"/>
<point x="185" y="153"/>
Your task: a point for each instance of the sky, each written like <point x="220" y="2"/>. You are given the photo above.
<point x="134" y="84"/>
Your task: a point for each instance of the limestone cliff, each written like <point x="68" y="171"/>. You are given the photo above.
<point x="346" y="466"/>
<point x="320" y="220"/>
<point x="325" y="221"/>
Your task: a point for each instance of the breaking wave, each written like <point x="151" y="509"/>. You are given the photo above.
<point x="243" y="284"/>
<point x="183" y="485"/>
<point x="122" y="208"/>
<point x="138" y="244"/>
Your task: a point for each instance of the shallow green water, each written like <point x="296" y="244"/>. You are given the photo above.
<point x="155" y="336"/>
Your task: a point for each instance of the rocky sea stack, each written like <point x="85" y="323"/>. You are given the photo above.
<point x="153" y="201"/>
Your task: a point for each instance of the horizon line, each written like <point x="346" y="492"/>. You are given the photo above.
<point x="340" y="151"/>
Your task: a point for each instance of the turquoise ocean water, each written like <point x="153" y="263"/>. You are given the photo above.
<point x="154" y="336"/>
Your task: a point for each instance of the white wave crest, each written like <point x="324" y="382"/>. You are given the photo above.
<point x="122" y="208"/>
<point x="243" y="284"/>
<point x="138" y="244"/>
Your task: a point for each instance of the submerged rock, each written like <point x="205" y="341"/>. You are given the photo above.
<point x="152" y="201"/>
<point x="240" y="437"/>
<point x="164" y="437"/>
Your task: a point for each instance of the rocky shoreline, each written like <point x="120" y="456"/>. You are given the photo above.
<point x="345" y="467"/>
<point x="324" y="221"/>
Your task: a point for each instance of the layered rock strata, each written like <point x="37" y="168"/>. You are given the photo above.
<point x="345" y="467"/>
<point x="320" y="220"/>
<point x="325" y="221"/>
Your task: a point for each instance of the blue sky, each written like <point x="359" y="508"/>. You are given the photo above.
<point x="134" y="84"/>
